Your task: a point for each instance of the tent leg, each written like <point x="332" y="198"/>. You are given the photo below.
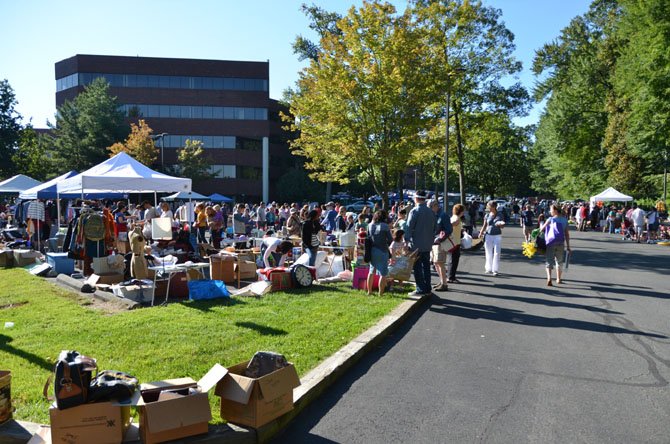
<point x="155" y="199"/>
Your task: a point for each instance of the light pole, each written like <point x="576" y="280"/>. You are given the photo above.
<point x="415" y="179"/>
<point x="161" y="136"/>
<point x="446" y="143"/>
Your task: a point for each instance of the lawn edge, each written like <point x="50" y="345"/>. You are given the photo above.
<point x="313" y="385"/>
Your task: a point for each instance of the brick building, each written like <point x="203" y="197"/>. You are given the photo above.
<point x="225" y="104"/>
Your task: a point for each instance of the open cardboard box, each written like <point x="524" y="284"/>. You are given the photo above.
<point x="176" y="408"/>
<point x="100" y="422"/>
<point x="105" y="279"/>
<point x="254" y="402"/>
<point x="246" y="269"/>
<point x="25" y="257"/>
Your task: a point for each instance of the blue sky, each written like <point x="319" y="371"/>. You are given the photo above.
<point x="38" y="33"/>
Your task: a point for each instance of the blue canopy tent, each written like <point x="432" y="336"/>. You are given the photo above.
<point x="216" y="197"/>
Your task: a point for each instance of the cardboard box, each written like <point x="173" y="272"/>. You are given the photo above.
<point x="25" y="257"/>
<point x="122" y="247"/>
<point x="176" y="408"/>
<point x="255" y="402"/>
<point x="247" y="269"/>
<point x="108" y="264"/>
<point x="222" y="268"/>
<point x="135" y="293"/>
<point x="100" y="422"/>
<point x="5" y="395"/>
<point x="6" y="258"/>
<point x="105" y="278"/>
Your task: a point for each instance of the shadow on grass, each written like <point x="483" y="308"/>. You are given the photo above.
<point x="207" y="305"/>
<point x="519" y="317"/>
<point x="262" y="329"/>
<point x="32" y="358"/>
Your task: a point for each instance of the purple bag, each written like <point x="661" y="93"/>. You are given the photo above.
<point x="554" y="234"/>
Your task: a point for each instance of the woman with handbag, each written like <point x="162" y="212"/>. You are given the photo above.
<point x="310" y="238"/>
<point x="557" y="237"/>
<point x="454" y="253"/>
<point x="441" y="244"/>
<point x="493" y="225"/>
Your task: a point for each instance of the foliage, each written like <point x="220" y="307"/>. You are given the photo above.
<point x="138" y="144"/>
<point x="10" y="128"/>
<point x="607" y="84"/>
<point x="192" y="162"/>
<point x="177" y="340"/>
<point x="87" y="125"/>
<point x="34" y="155"/>
<point x="296" y="186"/>
<point x="497" y="159"/>
<point x="361" y="104"/>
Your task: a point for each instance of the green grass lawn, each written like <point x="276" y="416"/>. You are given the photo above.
<point x="180" y="339"/>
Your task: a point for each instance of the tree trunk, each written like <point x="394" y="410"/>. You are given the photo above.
<point x="459" y="154"/>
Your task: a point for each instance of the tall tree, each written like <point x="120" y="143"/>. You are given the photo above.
<point x="139" y="144"/>
<point x="34" y="155"/>
<point x="192" y="161"/>
<point x="361" y="105"/>
<point x="10" y="128"/>
<point x="87" y="125"/>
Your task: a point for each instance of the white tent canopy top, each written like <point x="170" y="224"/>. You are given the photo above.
<point x="611" y="195"/>
<point x="184" y="195"/>
<point x="18" y="183"/>
<point x="124" y="174"/>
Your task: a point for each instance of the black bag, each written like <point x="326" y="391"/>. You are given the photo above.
<point x="264" y="363"/>
<point x="367" y="255"/>
<point x="72" y="379"/>
<point x="112" y="384"/>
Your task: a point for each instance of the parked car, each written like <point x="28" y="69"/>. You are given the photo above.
<point x="357" y="207"/>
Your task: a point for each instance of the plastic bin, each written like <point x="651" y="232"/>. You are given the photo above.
<point x="60" y="263"/>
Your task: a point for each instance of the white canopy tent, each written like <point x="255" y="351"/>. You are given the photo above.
<point x="17" y="184"/>
<point x="123" y="174"/>
<point x="610" y="195"/>
<point x="185" y="196"/>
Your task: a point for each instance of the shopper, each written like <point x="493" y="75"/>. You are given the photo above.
<point x="454" y="254"/>
<point x="555" y="250"/>
<point x="443" y="230"/>
<point x="274" y="252"/>
<point x="380" y="233"/>
<point x="420" y="234"/>
<point x="201" y="222"/>
<point x="310" y="238"/>
<point x="493" y="224"/>
<point x="293" y="224"/>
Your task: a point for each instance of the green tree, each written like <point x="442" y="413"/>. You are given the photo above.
<point x="192" y="162"/>
<point x="296" y="186"/>
<point x="34" y="155"/>
<point x="10" y="128"/>
<point x="86" y="126"/>
<point x="138" y="144"/>
<point x="361" y="105"/>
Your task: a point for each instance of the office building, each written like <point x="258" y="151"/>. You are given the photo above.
<point x="225" y="104"/>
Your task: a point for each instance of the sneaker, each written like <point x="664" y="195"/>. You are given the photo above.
<point x="488" y="272"/>
<point x="495" y="273"/>
<point x="416" y="293"/>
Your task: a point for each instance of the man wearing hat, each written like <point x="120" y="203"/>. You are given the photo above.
<point x="420" y="235"/>
<point x="293" y="224"/>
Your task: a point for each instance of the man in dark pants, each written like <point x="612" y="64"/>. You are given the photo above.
<point x="420" y="235"/>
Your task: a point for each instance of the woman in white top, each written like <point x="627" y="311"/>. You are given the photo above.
<point x="454" y="256"/>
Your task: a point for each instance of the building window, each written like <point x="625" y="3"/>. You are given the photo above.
<point x="171" y="82"/>
<point x="194" y="112"/>
<point x="251" y="173"/>
<point x="222" y="171"/>
<point x="209" y="142"/>
<point x="248" y="143"/>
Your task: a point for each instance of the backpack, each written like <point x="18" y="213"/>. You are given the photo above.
<point x="554" y="234"/>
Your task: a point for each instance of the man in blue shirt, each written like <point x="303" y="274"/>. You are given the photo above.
<point x="420" y="235"/>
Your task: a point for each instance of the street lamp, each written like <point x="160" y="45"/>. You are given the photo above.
<point x="161" y="136"/>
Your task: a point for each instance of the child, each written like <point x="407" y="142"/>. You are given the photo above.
<point x="398" y="246"/>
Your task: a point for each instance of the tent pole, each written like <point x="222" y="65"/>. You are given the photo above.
<point x="155" y="199"/>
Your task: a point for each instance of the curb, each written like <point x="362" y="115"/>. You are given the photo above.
<point x="313" y="384"/>
<point x="76" y="284"/>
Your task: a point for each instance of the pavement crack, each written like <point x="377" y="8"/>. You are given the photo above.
<point x="501" y="410"/>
